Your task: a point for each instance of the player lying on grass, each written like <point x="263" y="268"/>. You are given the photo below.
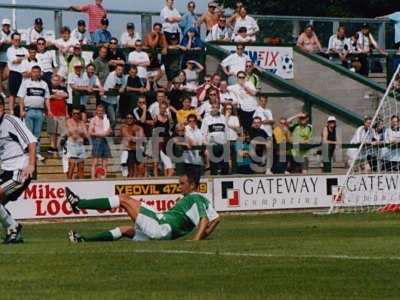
<point x="192" y="211"/>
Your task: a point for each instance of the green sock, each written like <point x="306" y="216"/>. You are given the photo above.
<point x="106" y="236"/>
<point x="99" y="203"/>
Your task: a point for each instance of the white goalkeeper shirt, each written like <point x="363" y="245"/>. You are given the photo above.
<point x="15" y="138"/>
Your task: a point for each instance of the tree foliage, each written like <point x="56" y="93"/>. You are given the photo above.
<point x="322" y="8"/>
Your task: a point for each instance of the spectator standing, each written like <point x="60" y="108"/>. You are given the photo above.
<point x="308" y="40"/>
<point x="65" y="45"/>
<point x="281" y="138"/>
<point x="391" y="157"/>
<point x="155" y="40"/>
<point x="132" y="140"/>
<point x="115" y="56"/>
<point x="262" y="146"/>
<point x="143" y="117"/>
<point x="96" y="12"/>
<point x="5" y="40"/>
<point x="101" y="64"/>
<point x="194" y="139"/>
<point x="219" y="32"/>
<point x="328" y="144"/>
<point x="301" y="133"/>
<point x="265" y="114"/>
<point x="209" y="18"/>
<point x="129" y="38"/>
<point x="46" y="61"/>
<point x="35" y="32"/>
<point x="99" y="130"/>
<point x="102" y="36"/>
<point x="189" y="19"/>
<point x="115" y="84"/>
<point x="76" y="58"/>
<point x="234" y="63"/>
<point x="77" y="87"/>
<point x="34" y="99"/>
<point x="192" y="71"/>
<point x="215" y="133"/>
<point x="245" y="21"/>
<point x="171" y="18"/>
<point x="29" y="62"/>
<point x="234" y="130"/>
<point x="134" y="88"/>
<point x="77" y="132"/>
<point x="140" y="59"/>
<point x="81" y="34"/>
<point x="231" y="21"/>
<point x="15" y="55"/>
<point x="58" y="106"/>
<point x="245" y="93"/>
<point x="252" y="76"/>
<point x="339" y="46"/>
<point x="93" y="87"/>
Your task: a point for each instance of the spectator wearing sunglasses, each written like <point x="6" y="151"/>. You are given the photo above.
<point x="115" y="55"/>
<point x="234" y="63"/>
<point x="219" y="32"/>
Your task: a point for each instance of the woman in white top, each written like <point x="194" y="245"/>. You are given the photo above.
<point x="192" y="71"/>
<point x="234" y="129"/>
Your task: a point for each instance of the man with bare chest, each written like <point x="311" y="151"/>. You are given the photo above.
<point x="210" y="18"/>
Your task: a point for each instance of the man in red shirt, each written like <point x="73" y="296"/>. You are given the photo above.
<point x="95" y="12"/>
<point x="58" y="107"/>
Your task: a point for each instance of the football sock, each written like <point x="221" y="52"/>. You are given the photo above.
<point x="111" y="235"/>
<point x="99" y="203"/>
<point x="5" y="218"/>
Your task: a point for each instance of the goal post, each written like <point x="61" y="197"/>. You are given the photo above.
<point x="372" y="181"/>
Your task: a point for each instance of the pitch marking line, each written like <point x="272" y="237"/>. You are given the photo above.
<point x="209" y="253"/>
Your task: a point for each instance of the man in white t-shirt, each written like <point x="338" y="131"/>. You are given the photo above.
<point x="81" y="34"/>
<point x="265" y="114"/>
<point x="245" y="93"/>
<point x="5" y="39"/>
<point x="140" y="59"/>
<point x="65" y="46"/>
<point x="170" y="17"/>
<point x="247" y="22"/>
<point x="35" y="32"/>
<point x="129" y="38"/>
<point x="29" y="62"/>
<point x="234" y="63"/>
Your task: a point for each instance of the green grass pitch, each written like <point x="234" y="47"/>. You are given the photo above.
<point x="287" y="256"/>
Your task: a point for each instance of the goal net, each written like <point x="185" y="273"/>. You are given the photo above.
<point x="372" y="181"/>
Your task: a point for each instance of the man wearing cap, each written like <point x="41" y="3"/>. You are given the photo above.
<point x="210" y="18"/>
<point x="15" y="55"/>
<point x="75" y="58"/>
<point x="81" y="34"/>
<point x="102" y="36"/>
<point x="5" y="39"/>
<point x="34" y="99"/>
<point x="76" y="83"/>
<point x="171" y="18"/>
<point x="96" y="12"/>
<point x="129" y="37"/>
<point x="35" y="32"/>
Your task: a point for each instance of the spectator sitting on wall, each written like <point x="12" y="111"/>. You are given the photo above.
<point x="75" y="58"/>
<point x="65" y="45"/>
<point x="129" y="38"/>
<point x="301" y="133"/>
<point x="308" y="41"/>
<point x="191" y="41"/>
<point x="242" y="37"/>
<point x="155" y="40"/>
<point x="102" y="36"/>
<point x="210" y="18"/>
<point x="339" y="45"/>
<point x="81" y="34"/>
<point x="249" y="23"/>
<point x="96" y="13"/>
<point x="234" y="63"/>
<point x="35" y="32"/>
<point x="219" y="32"/>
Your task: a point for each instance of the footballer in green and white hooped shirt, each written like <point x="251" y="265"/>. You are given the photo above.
<point x="192" y="211"/>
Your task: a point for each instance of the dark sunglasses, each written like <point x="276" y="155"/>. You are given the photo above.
<point x="241" y="77"/>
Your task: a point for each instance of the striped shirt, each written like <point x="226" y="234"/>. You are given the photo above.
<point x="15" y="138"/>
<point x="95" y="13"/>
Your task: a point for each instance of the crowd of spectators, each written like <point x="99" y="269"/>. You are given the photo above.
<point x="173" y="115"/>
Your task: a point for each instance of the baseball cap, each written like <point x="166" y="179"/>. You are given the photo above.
<point x="331" y="119"/>
<point x="104" y="21"/>
<point x="78" y="64"/>
<point x="6" y="22"/>
<point x="38" y="21"/>
<point x="212" y="4"/>
<point x="365" y="25"/>
<point x="130" y="25"/>
<point x="81" y="23"/>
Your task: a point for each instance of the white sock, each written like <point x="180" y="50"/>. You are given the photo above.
<point x="116" y="233"/>
<point x="5" y="218"/>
